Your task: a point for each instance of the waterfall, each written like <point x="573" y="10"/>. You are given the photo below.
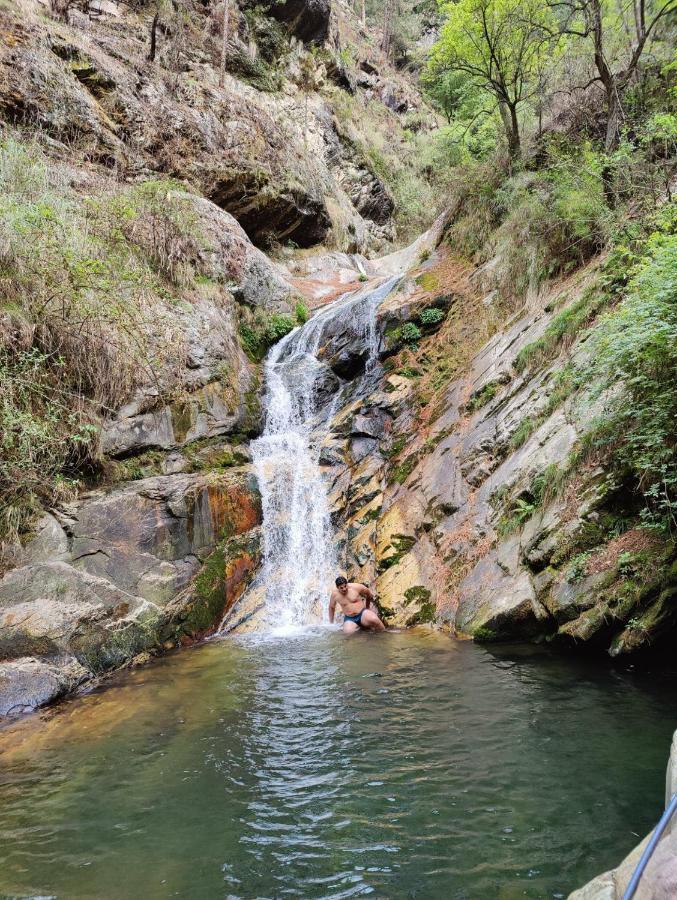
<point x="301" y="397"/>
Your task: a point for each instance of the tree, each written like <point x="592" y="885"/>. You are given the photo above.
<point x="224" y="40"/>
<point x="388" y="15"/>
<point x="500" y="46"/>
<point x="619" y="35"/>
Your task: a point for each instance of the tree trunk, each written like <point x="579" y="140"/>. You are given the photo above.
<point x="153" y="35"/>
<point x="387" y="26"/>
<point x="614" y="118"/>
<point x="224" y="41"/>
<point x="363" y="17"/>
<point x="511" y="125"/>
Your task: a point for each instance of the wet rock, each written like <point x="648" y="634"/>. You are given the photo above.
<point x="496" y="606"/>
<point x="349" y="363"/>
<point x="27" y="683"/>
<point x="127" y="574"/>
<point x="566" y="600"/>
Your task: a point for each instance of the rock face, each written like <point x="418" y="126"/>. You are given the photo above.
<point x="274" y="160"/>
<point x="308" y="19"/>
<point x="114" y="575"/>
<point x="455" y="511"/>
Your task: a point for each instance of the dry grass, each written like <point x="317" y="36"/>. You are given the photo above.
<point x="636" y="540"/>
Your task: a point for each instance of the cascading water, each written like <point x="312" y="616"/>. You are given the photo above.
<point x="299" y="558"/>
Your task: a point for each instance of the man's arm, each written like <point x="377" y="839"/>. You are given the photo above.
<point x="366" y="593"/>
<point x="332" y="607"/>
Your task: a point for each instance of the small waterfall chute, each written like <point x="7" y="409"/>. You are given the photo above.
<point x="299" y="558"/>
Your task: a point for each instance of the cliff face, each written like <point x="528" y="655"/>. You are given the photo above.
<point x="472" y="491"/>
<point x="270" y="145"/>
<point x="138" y="185"/>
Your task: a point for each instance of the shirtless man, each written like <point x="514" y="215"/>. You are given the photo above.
<point x="354" y="600"/>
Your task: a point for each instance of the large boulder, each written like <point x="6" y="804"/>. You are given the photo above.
<point x="114" y="574"/>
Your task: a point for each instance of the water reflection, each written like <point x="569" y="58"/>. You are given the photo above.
<point x="315" y="767"/>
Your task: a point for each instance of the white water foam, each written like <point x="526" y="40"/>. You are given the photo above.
<point x="299" y="559"/>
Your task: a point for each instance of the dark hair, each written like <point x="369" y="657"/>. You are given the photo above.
<point x="341" y="580"/>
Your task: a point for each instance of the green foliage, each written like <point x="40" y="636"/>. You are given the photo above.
<point x="404" y="470"/>
<point x="431" y="316"/>
<point x="635" y="346"/>
<point x="500" y="47"/>
<point x="396" y="447"/>
<point x="484" y="396"/>
<point x="259" y="330"/>
<point x="520" y="512"/>
<point x="485" y="634"/>
<point x="542" y="491"/>
<point x="410" y="333"/>
<point x="577" y="566"/>
<point x="301" y="312"/>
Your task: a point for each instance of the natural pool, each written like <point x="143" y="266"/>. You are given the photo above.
<point x="401" y="766"/>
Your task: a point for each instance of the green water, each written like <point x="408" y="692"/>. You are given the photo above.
<point x="401" y="766"/>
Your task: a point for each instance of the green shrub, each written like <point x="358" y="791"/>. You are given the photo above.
<point x="260" y="330"/>
<point x="278" y="326"/>
<point x="431" y="316"/>
<point x="410" y="333"/>
<point x="635" y="346"/>
<point x="301" y="312"/>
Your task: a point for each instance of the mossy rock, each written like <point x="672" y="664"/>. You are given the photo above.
<point x="417" y="594"/>
<point x="426" y="614"/>
<point x="401" y="544"/>
<point x="224" y="575"/>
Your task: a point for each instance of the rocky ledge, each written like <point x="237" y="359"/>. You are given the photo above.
<point x="152" y="564"/>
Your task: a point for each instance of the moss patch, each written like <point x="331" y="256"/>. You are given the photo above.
<point x="401" y="544"/>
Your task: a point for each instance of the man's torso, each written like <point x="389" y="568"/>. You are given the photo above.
<point x="351" y="602"/>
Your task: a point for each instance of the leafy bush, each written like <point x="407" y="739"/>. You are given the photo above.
<point x="301" y="312"/>
<point x="431" y="316"/>
<point x="635" y="346"/>
<point x="260" y="330"/>
<point x="410" y="333"/>
<point x="278" y="326"/>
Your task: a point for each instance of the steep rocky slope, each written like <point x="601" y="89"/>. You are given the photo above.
<point x="137" y="184"/>
<point x="469" y="488"/>
<point x="464" y="480"/>
<point x="274" y="145"/>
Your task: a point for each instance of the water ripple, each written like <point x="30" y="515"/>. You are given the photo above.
<point x="272" y="768"/>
